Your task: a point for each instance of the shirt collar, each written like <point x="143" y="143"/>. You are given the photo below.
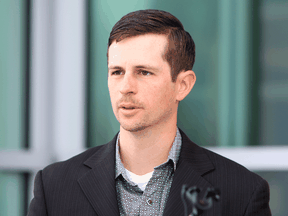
<point x="174" y="154"/>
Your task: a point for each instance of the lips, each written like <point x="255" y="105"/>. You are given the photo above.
<point x="129" y="110"/>
<point x="129" y="106"/>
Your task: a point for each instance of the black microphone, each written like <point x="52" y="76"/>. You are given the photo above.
<point x="191" y="194"/>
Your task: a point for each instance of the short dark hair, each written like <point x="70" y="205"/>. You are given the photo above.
<point x="180" y="52"/>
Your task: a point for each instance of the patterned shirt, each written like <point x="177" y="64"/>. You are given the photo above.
<point x="132" y="200"/>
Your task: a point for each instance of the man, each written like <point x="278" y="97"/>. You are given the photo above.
<point x="142" y="170"/>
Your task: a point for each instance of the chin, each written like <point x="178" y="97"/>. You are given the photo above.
<point x="133" y="128"/>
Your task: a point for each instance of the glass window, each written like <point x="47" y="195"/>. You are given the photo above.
<point x="13" y="61"/>
<point x="11" y="194"/>
<point x="278" y="190"/>
<point x="13" y="92"/>
<point x="274" y="72"/>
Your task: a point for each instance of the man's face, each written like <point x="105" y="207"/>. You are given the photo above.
<point x="139" y="75"/>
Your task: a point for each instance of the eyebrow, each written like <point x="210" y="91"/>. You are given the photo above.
<point x="115" y="67"/>
<point x="137" y="67"/>
<point x="147" y="67"/>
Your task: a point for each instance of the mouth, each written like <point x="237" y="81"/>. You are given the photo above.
<point x="128" y="108"/>
<point x="129" y="111"/>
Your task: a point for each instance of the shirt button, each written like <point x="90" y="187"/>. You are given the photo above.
<point x="149" y="202"/>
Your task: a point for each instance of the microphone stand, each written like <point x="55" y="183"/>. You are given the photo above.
<point x="191" y="194"/>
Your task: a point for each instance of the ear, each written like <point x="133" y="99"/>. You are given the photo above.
<point x="184" y="84"/>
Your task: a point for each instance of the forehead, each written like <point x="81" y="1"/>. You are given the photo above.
<point x="148" y="48"/>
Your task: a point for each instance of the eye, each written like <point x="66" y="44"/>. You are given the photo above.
<point x="145" y="73"/>
<point x="116" y="73"/>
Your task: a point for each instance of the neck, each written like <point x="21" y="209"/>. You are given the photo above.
<point x="141" y="151"/>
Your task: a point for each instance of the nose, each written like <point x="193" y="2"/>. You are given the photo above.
<point x="129" y="84"/>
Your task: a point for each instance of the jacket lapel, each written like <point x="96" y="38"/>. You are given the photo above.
<point x="98" y="184"/>
<point x="193" y="164"/>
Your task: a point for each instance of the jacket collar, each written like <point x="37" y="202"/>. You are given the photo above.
<point x="98" y="184"/>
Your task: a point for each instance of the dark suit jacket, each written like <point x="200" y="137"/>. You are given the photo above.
<point x="85" y="184"/>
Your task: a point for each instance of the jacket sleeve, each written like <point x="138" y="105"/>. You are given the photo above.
<point x="38" y="205"/>
<point x="259" y="202"/>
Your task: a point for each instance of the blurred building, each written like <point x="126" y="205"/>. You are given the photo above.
<point x="54" y="100"/>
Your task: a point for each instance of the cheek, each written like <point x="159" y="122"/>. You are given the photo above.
<point x="165" y="100"/>
<point x="160" y="97"/>
<point x="112" y="97"/>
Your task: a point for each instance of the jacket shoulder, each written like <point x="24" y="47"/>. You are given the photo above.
<point x="72" y="167"/>
<point x="230" y="168"/>
<point x="240" y="188"/>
